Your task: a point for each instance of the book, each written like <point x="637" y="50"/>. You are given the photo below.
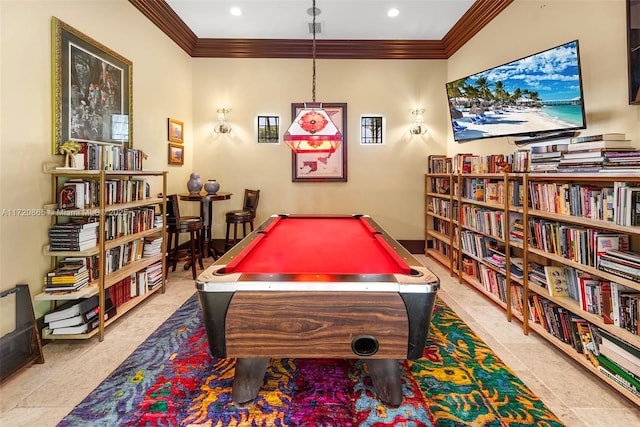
<point x="586" y="339"/>
<point x="546" y="155"/>
<point x="617" y="378"/>
<point x="72" y="196"/>
<point x="70" y="279"/>
<point x="620" y="154"/>
<point x="611" y="136"/>
<point x="80" y="234"/>
<point x="556" y="281"/>
<point x="555" y="146"/>
<point x="619" y="343"/>
<point x="619" y="266"/>
<point x="74" y="240"/>
<point x="71" y="246"/>
<point x="621" y="360"/>
<point x="68" y="270"/>
<point x="607" y="304"/>
<point x="71" y="308"/>
<point x="625" y="255"/>
<point x="629" y="378"/>
<point x="622" y="143"/>
<point x="66" y="287"/>
<point x="75" y="224"/>
<point x="605" y="242"/>
<point x="89" y="324"/>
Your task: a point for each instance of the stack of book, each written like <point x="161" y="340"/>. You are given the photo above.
<point x="617" y="161"/>
<point x="157" y="220"/>
<point x="546" y="157"/>
<point x="73" y="236"/>
<point x="621" y="263"/>
<point x="91" y="262"/>
<point x="537" y="275"/>
<point x="594" y="153"/>
<point x="152" y="246"/>
<point x="66" y="278"/>
<point x="78" y="317"/>
<point x="154" y="275"/>
<point x="619" y="360"/>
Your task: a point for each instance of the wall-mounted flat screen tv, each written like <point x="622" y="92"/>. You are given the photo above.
<point x="535" y="97"/>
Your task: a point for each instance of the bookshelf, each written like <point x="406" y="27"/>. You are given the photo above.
<point x="127" y="216"/>
<point x="534" y="221"/>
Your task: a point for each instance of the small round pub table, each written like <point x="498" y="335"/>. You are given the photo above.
<point x="206" y="213"/>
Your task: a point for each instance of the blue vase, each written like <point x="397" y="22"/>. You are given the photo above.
<point x="212" y="186"/>
<point x="194" y="185"/>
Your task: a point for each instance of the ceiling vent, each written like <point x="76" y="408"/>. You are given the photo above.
<point x="318" y="27"/>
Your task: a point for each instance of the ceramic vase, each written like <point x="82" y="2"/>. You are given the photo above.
<point x="212" y="186"/>
<point x="194" y="185"/>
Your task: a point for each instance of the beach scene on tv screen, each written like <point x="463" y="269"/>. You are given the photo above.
<point x="537" y="94"/>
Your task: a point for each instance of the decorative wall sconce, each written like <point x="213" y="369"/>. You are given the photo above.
<point x="222" y="126"/>
<point x="418" y="127"/>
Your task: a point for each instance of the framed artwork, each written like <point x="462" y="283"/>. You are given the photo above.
<point x="268" y="129"/>
<point x="175" y="130"/>
<point x="322" y="167"/>
<point x="92" y="90"/>
<point x="372" y="129"/>
<point x="633" y="42"/>
<point x="176" y="154"/>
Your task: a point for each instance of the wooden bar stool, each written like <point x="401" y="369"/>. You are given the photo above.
<point x="177" y="225"/>
<point x="243" y="216"/>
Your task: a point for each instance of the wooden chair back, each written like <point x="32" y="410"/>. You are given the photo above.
<point x="173" y="210"/>
<point x="251" y="199"/>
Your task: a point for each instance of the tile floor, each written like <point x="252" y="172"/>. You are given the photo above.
<point x="41" y="395"/>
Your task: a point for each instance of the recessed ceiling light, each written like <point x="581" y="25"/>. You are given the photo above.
<point x="235" y="11"/>
<point x="393" y="12"/>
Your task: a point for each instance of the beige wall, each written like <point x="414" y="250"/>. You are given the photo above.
<point x="530" y="26"/>
<point x="385" y="182"/>
<point x="162" y="88"/>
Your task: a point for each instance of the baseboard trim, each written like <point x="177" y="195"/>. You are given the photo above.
<point x="413" y="246"/>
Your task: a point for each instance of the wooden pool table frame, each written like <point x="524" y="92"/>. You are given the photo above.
<point x="380" y="318"/>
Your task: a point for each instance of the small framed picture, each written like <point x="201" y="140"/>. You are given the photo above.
<point x="372" y="129"/>
<point x="176" y="128"/>
<point x="176" y="154"/>
<point x="268" y="129"/>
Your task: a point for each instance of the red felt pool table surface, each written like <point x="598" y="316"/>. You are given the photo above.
<point x="319" y="245"/>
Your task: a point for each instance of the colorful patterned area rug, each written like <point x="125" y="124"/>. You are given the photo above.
<point x="172" y="380"/>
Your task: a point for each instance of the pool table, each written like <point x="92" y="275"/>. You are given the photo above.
<point x="317" y="286"/>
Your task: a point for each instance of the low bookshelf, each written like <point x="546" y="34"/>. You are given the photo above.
<point x="505" y="233"/>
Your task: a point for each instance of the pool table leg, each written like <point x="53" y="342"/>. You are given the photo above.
<point x="386" y="378"/>
<point x="248" y="379"/>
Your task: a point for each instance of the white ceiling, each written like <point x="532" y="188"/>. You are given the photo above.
<point x="339" y="19"/>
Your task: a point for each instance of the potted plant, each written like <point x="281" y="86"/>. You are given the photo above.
<point x="70" y="149"/>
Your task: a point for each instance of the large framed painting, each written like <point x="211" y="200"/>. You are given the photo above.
<point x="323" y="167"/>
<point x="633" y="41"/>
<point x="92" y="90"/>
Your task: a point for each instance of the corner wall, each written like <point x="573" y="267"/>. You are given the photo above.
<point x="162" y="86"/>
<point x="530" y="26"/>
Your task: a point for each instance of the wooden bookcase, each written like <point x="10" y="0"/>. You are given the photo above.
<point x="456" y="234"/>
<point x="100" y="212"/>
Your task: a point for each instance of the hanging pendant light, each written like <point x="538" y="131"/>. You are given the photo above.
<point x="313" y="131"/>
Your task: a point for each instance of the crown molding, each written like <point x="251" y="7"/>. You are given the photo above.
<point x="478" y="15"/>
